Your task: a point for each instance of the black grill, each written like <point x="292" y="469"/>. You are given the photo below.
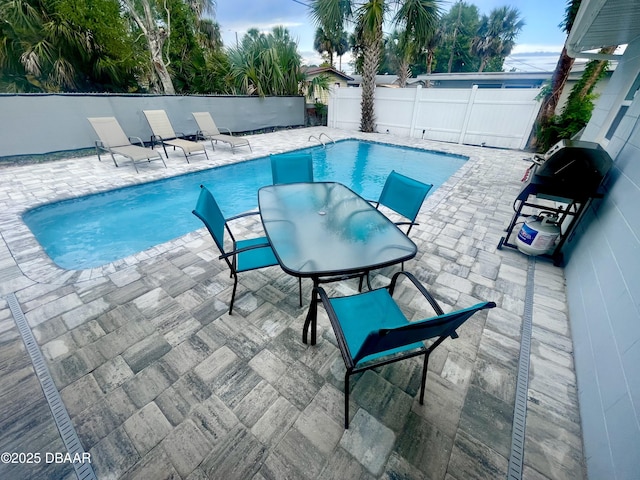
<point x="570" y="173"/>
<point x="572" y="170"/>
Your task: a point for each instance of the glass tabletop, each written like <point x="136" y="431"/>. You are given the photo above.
<point x="325" y="229"/>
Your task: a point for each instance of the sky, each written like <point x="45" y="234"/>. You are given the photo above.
<point x="537" y="47"/>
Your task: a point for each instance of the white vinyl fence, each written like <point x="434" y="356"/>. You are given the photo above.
<point x="490" y="117"/>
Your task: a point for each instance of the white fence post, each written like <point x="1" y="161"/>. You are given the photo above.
<point x="467" y="113"/>
<point x="416" y="107"/>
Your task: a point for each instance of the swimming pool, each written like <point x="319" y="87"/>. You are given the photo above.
<point x="97" y="229"/>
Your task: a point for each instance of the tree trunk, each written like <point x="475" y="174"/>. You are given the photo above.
<point x="429" y="61"/>
<point x="558" y="81"/>
<point x="483" y="63"/>
<point x="453" y="43"/>
<point x="596" y="73"/>
<point x="550" y="101"/>
<point x="156" y="41"/>
<point x="155" y="36"/>
<point x="404" y="72"/>
<point x="369" y="70"/>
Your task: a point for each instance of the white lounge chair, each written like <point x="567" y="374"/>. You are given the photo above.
<point x="115" y="141"/>
<point x="163" y="133"/>
<point x="208" y="130"/>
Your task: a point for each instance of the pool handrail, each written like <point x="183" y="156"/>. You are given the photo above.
<point x="319" y="139"/>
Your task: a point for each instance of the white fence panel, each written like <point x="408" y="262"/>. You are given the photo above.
<point x="491" y="117"/>
<point x="344" y="108"/>
<point x="442" y="113"/>
<point x="395" y="107"/>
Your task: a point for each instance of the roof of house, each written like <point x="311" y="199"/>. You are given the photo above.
<point x="384" y="80"/>
<point x="319" y="70"/>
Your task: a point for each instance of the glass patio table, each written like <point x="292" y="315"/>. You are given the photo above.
<point x="327" y="232"/>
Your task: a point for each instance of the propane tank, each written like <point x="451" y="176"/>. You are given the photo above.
<point x="538" y="234"/>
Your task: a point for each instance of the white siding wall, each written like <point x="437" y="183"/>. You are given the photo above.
<point x="603" y="285"/>
<point x="493" y="117"/>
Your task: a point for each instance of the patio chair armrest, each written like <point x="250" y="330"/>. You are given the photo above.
<point x="225" y="128"/>
<point x="156" y="138"/>
<point x="138" y="139"/>
<point x="102" y="145"/>
<point x="244" y="249"/>
<point x="337" y="328"/>
<point x="432" y="301"/>
<point x="406" y="223"/>
<point x="242" y="215"/>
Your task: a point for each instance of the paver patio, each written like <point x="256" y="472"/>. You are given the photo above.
<point x="160" y="382"/>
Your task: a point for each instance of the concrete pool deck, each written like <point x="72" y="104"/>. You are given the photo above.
<point x="160" y="382"/>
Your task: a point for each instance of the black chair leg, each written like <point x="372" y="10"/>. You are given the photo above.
<point x="300" y="289"/>
<point x="233" y="294"/>
<point x="346" y="401"/>
<point x="424" y="377"/>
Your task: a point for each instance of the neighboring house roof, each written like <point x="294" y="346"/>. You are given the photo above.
<point x="381" y="80"/>
<point x="318" y="70"/>
<point x="488" y="79"/>
<point x="482" y="79"/>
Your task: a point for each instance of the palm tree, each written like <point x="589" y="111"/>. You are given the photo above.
<point x="322" y="44"/>
<point x="52" y="46"/>
<point x="457" y="28"/>
<point x="342" y="47"/>
<point x="496" y="34"/>
<point x="560" y="74"/>
<point x="417" y="17"/>
<point x="370" y="17"/>
<point x="266" y="64"/>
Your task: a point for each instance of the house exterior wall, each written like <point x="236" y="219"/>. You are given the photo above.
<point x="603" y="289"/>
<point x="323" y="95"/>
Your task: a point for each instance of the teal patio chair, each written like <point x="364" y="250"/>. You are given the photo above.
<point x="291" y="168"/>
<point x="405" y="196"/>
<point x="245" y="255"/>
<point x="372" y="331"/>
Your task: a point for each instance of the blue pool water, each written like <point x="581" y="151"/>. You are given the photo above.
<point x="97" y="229"/>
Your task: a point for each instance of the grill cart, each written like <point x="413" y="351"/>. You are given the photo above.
<point x="559" y="187"/>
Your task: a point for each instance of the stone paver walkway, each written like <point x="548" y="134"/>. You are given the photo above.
<point x="160" y="382"/>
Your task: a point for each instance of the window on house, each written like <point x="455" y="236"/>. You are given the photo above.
<point x="624" y="107"/>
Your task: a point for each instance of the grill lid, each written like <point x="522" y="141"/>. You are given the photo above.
<point x="572" y="168"/>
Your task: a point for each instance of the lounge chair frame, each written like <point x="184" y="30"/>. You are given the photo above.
<point x="207" y="130"/>
<point x="164" y="134"/>
<point x="116" y="142"/>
